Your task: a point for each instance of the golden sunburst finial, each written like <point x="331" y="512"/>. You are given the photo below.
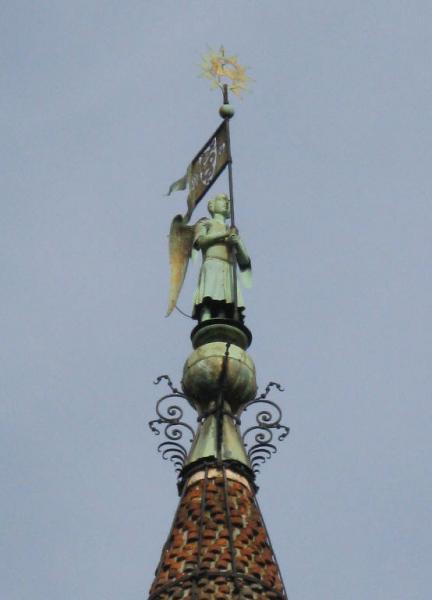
<point x="220" y="69"/>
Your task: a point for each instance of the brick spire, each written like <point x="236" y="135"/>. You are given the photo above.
<point x="218" y="545"/>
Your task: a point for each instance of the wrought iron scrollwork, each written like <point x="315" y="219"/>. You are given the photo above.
<point x="259" y="439"/>
<point x="170" y="422"/>
<point x="169" y="383"/>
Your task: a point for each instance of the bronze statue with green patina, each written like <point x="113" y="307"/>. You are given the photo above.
<point x="217" y="295"/>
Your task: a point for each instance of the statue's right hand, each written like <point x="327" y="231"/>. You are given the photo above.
<point x="233" y="238"/>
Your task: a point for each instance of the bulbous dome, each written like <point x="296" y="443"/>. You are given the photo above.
<point x="203" y="378"/>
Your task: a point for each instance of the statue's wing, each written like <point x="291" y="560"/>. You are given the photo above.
<point x="181" y="239"/>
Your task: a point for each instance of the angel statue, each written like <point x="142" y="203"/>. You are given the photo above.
<point x="221" y="248"/>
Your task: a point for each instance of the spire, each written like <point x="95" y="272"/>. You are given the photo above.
<point x="218" y="546"/>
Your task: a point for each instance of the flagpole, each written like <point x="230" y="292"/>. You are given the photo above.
<point x="227" y="116"/>
<point x="226" y="113"/>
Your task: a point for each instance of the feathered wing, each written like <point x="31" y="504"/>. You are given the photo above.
<point x="181" y="237"/>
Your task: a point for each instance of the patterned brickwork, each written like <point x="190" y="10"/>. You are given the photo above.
<point x="218" y="546"/>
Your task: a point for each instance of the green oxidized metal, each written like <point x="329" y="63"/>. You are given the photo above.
<point x="202" y="376"/>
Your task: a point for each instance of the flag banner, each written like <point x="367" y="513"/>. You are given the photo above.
<point x="180" y="184"/>
<point x="205" y="168"/>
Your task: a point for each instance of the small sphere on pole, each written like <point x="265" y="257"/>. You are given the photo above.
<point x="226" y="111"/>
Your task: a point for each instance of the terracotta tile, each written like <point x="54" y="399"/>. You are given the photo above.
<point x="253" y="556"/>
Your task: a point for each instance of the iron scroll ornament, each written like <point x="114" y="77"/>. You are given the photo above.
<point x="170" y="422"/>
<point x="259" y="439"/>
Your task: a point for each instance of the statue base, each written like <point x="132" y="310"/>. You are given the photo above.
<point x="221" y="330"/>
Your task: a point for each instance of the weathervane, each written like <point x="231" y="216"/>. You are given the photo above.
<point x="217" y="294"/>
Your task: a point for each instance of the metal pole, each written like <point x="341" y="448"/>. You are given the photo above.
<point x="232" y="214"/>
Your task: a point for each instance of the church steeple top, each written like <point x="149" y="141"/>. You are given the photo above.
<point x="218" y="546"/>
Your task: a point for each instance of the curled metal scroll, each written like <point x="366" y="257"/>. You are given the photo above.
<point x="259" y="439"/>
<point x="170" y="422"/>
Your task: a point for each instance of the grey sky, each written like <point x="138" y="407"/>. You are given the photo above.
<point x="101" y="110"/>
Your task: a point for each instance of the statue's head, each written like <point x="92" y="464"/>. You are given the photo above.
<point x="220" y="205"/>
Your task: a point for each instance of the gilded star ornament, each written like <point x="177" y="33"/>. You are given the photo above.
<point x="220" y="68"/>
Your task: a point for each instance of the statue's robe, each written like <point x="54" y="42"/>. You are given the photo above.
<point x="215" y="278"/>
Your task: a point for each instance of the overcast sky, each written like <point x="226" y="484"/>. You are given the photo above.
<point x="101" y="109"/>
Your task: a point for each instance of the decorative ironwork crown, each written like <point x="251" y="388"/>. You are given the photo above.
<point x="258" y="439"/>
